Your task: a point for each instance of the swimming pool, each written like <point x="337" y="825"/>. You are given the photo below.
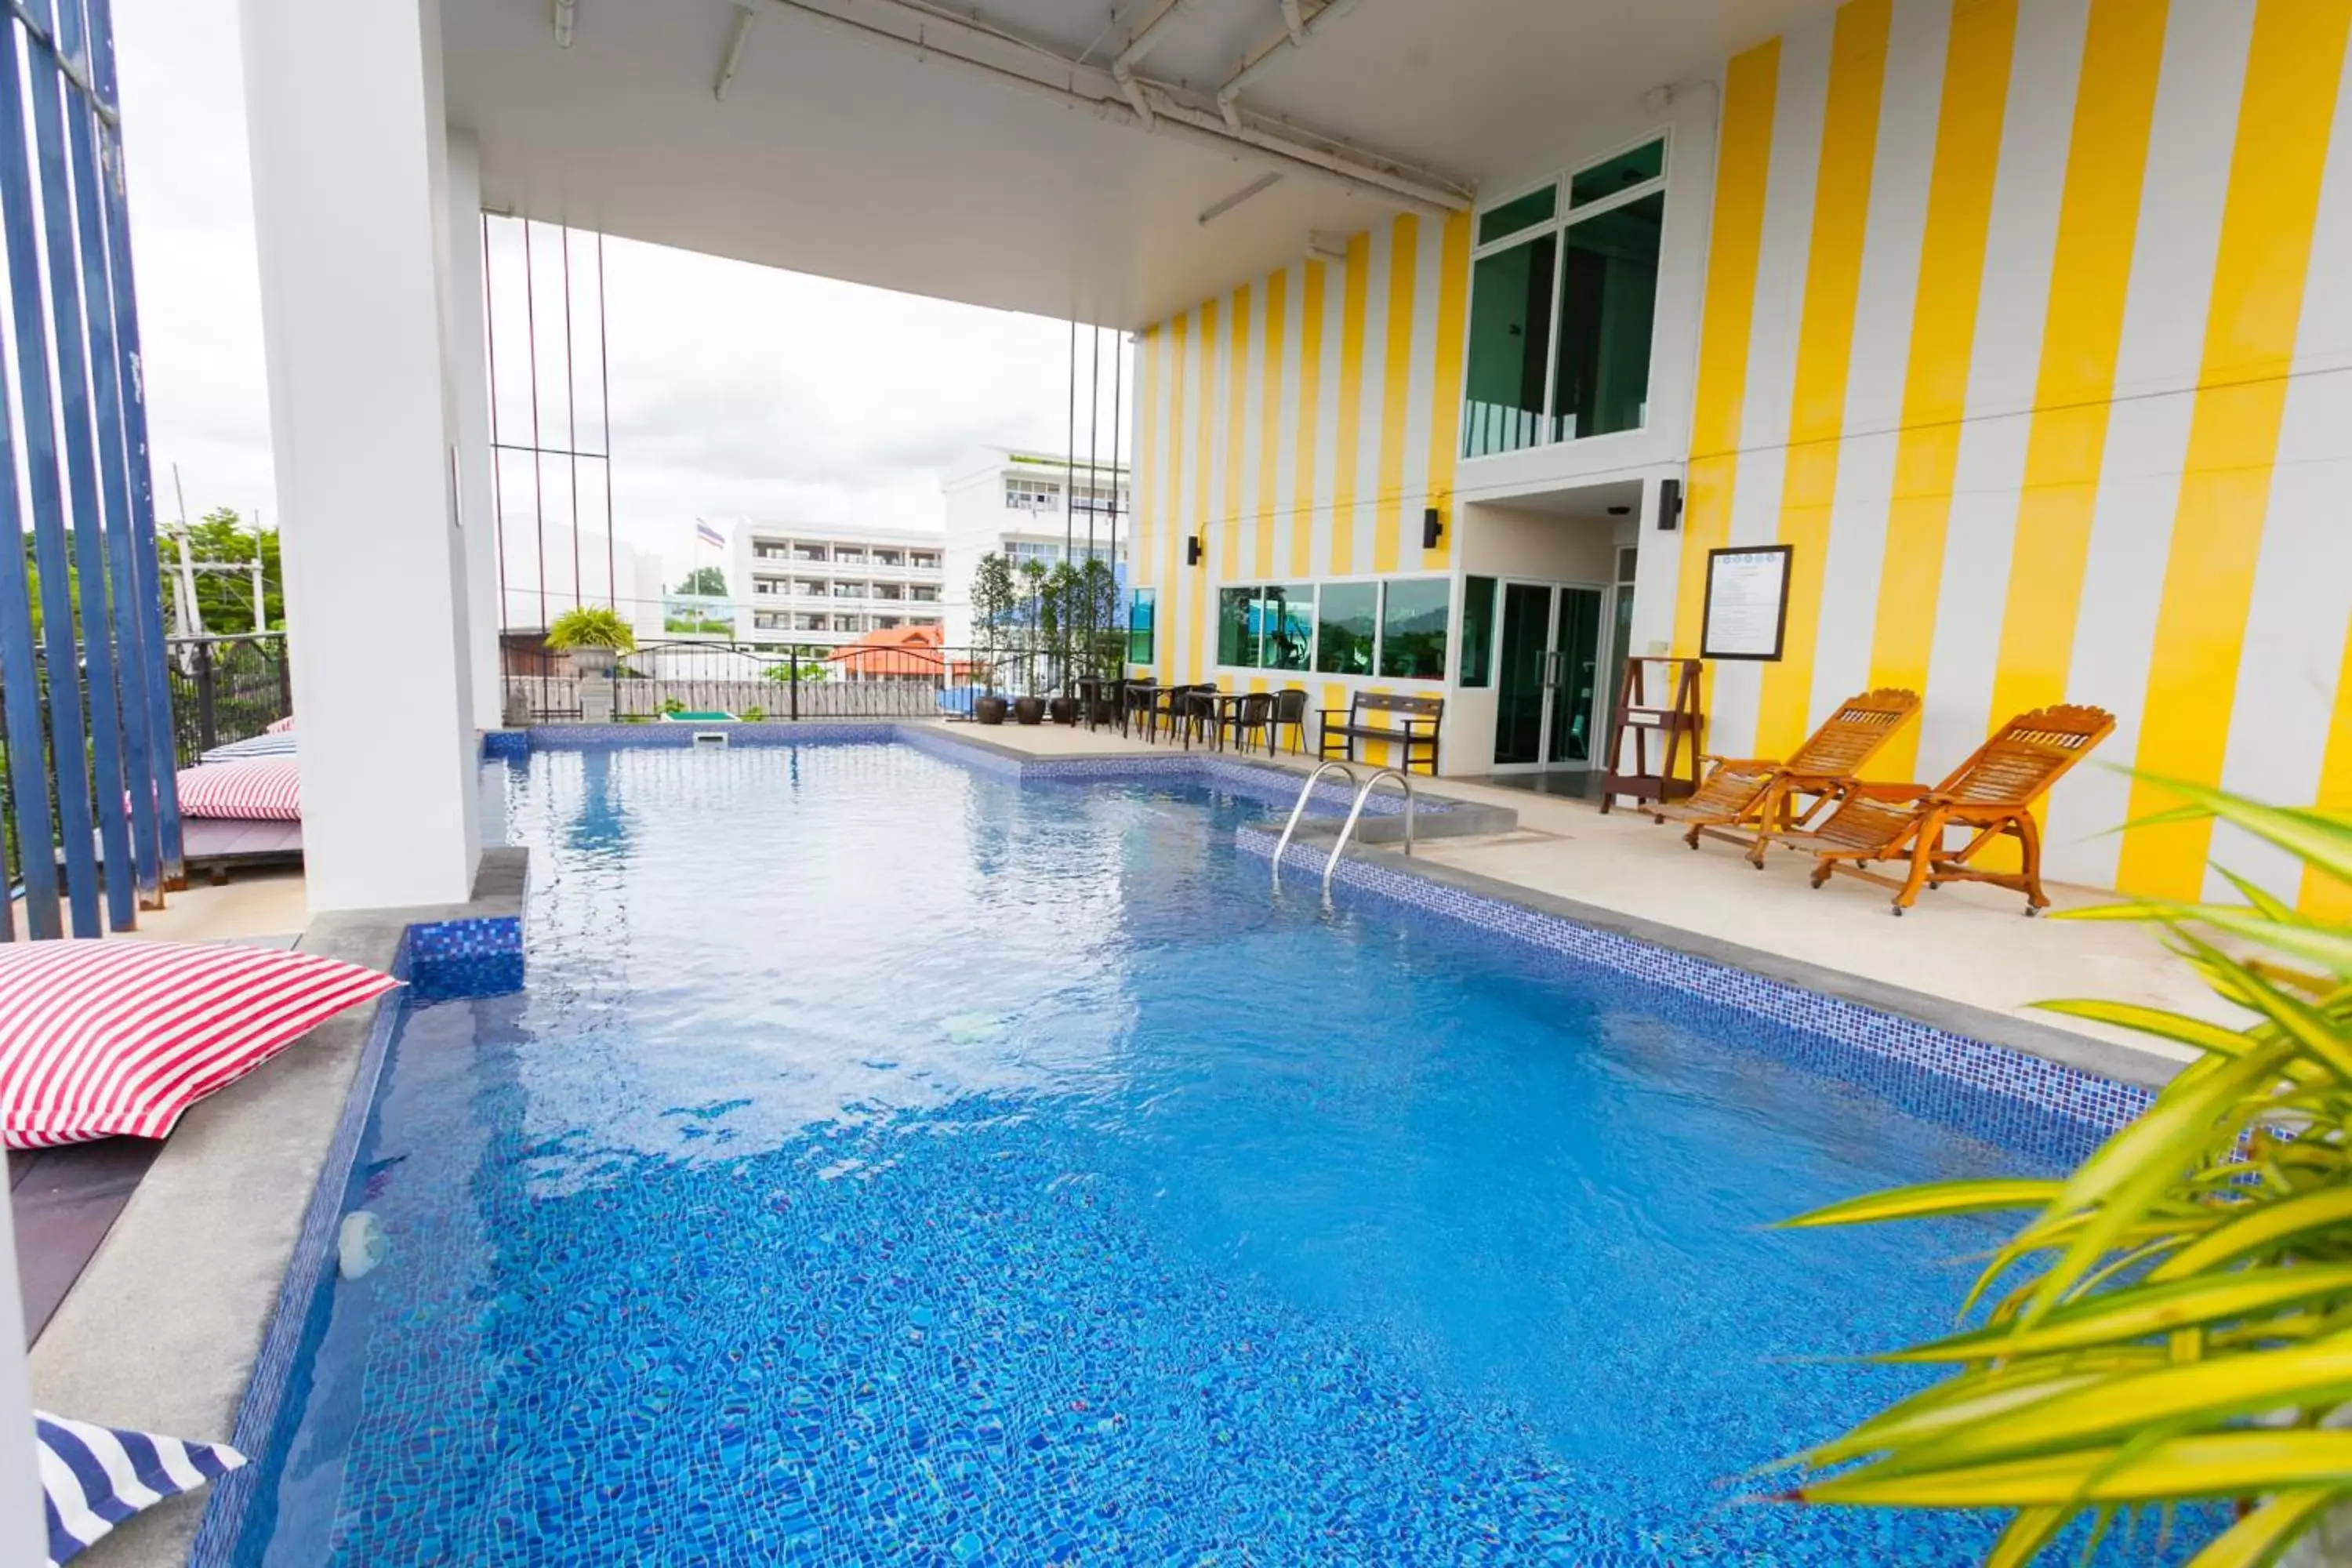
<point x="889" y="1163"/>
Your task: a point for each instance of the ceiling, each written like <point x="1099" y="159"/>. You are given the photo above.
<point x="838" y="154"/>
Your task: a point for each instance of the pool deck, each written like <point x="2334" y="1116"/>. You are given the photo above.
<point x="1967" y="951"/>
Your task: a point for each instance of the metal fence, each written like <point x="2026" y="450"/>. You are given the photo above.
<point x="226" y="688"/>
<point x="786" y="681"/>
<point x="91" y="817"/>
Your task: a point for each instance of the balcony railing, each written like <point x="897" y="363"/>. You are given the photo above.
<point x="779" y="680"/>
<point x="226" y="688"/>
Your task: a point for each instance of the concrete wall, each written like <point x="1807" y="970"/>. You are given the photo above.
<point x="2026" y="323"/>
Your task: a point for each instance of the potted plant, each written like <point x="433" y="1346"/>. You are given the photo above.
<point x="992" y="600"/>
<point x="1059" y="603"/>
<point x="594" y="636"/>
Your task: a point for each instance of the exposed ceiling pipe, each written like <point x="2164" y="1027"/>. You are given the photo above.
<point x="1122" y="69"/>
<point x="1096" y="92"/>
<point x="1224" y="204"/>
<point x="734" y="57"/>
<point x="1295" y="31"/>
<point x="559" y="13"/>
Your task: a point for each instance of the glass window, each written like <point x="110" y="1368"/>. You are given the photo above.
<point x="1621" y="173"/>
<point x="1288" y="625"/>
<point x="1138" y="625"/>
<point x="1498" y="223"/>
<point x="1344" y="624"/>
<point x="1237" y="626"/>
<point x="1608" y="297"/>
<point x="1412" y="628"/>
<point x="1510" y="321"/>
<point x="1477" y="630"/>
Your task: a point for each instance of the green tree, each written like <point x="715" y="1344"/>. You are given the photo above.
<point x="225" y="599"/>
<point x="707" y="582"/>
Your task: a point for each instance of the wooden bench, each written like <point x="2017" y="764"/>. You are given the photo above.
<point x="1414" y="727"/>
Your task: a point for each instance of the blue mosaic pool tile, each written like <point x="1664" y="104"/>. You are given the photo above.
<point x="300" y="1303"/>
<point x="1961" y="1080"/>
<point x="505" y="744"/>
<point x="480" y="956"/>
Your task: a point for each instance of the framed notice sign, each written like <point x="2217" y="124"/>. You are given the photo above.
<point x="1747" y="603"/>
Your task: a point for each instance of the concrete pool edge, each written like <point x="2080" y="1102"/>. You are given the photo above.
<point x="2095" y="1082"/>
<point x="180" y="1324"/>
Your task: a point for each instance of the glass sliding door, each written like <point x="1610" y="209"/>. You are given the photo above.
<point x="1576" y="679"/>
<point x="1520" y="688"/>
<point x="1548" y="695"/>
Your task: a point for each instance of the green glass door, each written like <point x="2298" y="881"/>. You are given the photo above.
<point x="1519" y="684"/>
<point x="1576" y="677"/>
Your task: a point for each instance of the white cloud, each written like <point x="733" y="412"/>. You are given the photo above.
<point x="736" y="389"/>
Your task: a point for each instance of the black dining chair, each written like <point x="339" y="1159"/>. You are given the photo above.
<point x="1290" y="713"/>
<point x="1195" y="712"/>
<point x="1141" y="706"/>
<point x="1254" y="715"/>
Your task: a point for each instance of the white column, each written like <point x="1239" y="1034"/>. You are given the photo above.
<point x="351" y="210"/>
<point x="470" y="372"/>
<point x="23" y="1541"/>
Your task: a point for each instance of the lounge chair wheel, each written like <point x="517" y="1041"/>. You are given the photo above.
<point x="2032" y="911"/>
<point x="1900" y="912"/>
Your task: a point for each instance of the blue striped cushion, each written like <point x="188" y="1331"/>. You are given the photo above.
<point x="94" y="1478"/>
<point x="277" y="745"/>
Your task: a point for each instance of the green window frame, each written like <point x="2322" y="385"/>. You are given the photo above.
<point x="1237" y="634"/>
<point x="1414" y="613"/>
<point x="1563" y="305"/>
<point x="1477" y="633"/>
<point x="1346" y="624"/>
<point x="1141" y="613"/>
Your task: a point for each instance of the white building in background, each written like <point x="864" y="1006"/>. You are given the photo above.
<point x="546" y="568"/>
<point x="823" y="584"/>
<point x="1027" y="506"/>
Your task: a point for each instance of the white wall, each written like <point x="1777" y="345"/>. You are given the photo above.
<point x="470" y="407"/>
<point x="351" y="209"/>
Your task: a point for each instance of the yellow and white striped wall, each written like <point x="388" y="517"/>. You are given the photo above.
<point x="2027" y="323"/>
<point x="1299" y="426"/>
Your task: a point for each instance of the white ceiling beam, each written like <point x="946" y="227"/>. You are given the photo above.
<point x="1297" y="29"/>
<point x="734" y="56"/>
<point x="969" y="44"/>
<point x="1139" y="43"/>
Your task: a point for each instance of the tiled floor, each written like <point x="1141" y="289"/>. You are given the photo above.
<point x="1967" y="944"/>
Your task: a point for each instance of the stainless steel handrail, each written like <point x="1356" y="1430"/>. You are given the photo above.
<point x="1300" y="808"/>
<point x="1357" y="810"/>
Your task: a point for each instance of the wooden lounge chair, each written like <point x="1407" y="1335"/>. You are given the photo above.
<point x="1990" y="795"/>
<point x="1752" y="800"/>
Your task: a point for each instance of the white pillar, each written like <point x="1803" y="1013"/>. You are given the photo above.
<point x="351" y="210"/>
<point x="470" y="371"/>
<point x="23" y="1541"/>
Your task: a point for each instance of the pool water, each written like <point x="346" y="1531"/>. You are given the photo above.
<point x="888" y="1163"/>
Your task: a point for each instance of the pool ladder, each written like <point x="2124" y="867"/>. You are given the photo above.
<point x="1363" y="793"/>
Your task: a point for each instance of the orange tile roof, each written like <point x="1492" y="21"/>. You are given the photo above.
<point x="898" y="650"/>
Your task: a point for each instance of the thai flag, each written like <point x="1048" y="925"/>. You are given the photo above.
<point x="706" y="534"/>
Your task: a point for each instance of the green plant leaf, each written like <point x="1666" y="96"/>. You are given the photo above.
<point x="2140" y="1310"/>
<point x="2026" y="1535"/>
<point x="2318" y="839"/>
<point x="2205" y="1465"/>
<point x="2217" y="1038"/>
<point x="1931" y="1200"/>
<point x="2258" y="1540"/>
<point x="2263" y="1226"/>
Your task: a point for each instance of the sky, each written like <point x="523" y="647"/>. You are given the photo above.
<point x="736" y="390"/>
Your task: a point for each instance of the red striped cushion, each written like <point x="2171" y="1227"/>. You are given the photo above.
<point x="123" y="1035"/>
<point x="279" y="726"/>
<point x="264" y="789"/>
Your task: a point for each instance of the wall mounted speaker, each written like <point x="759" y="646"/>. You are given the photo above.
<point x="1192" y="550"/>
<point x="1433" y="527"/>
<point x="1670" y="505"/>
